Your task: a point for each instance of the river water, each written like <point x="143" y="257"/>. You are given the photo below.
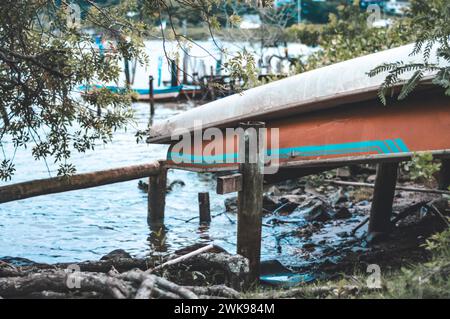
<point x="87" y="224"/>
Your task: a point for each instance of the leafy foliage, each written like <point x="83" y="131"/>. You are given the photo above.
<point x="439" y="244"/>
<point x="349" y="35"/>
<point x="243" y="66"/>
<point x="45" y="57"/>
<point x="430" y="20"/>
<point x="422" y="167"/>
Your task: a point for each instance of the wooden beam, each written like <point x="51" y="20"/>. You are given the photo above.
<point x="444" y="175"/>
<point x="315" y="166"/>
<point x="294" y="173"/>
<point x="79" y="181"/>
<point x="250" y="201"/>
<point x="204" y="208"/>
<point x="383" y="198"/>
<point x="157" y="189"/>
<point x="399" y="188"/>
<point x="229" y="184"/>
<point x="363" y="159"/>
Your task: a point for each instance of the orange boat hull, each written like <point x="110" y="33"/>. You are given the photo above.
<point x="364" y="131"/>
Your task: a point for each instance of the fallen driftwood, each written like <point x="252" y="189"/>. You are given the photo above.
<point x="205" y="272"/>
<point x="210" y="268"/>
<point x="399" y="188"/>
<point x="432" y="205"/>
<point x="182" y="258"/>
<point x="57" y="282"/>
<point x="102" y="266"/>
<point x="403" y="214"/>
<point x="135" y="284"/>
<point x="439" y="214"/>
<point x="216" y="291"/>
<point x="408" y="211"/>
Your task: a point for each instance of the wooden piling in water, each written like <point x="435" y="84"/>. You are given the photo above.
<point x="211" y="85"/>
<point x="444" y="174"/>
<point x="185" y="67"/>
<point x="151" y="95"/>
<point x="178" y="69"/>
<point x="157" y="188"/>
<point x="204" y="208"/>
<point x="383" y="198"/>
<point x="173" y="73"/>
<point x="250" y="200"/>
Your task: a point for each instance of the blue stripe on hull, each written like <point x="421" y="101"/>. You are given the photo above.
<point x="378" y="146"/>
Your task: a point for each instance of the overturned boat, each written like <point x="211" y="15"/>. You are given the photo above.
<point x="326" y="117"/>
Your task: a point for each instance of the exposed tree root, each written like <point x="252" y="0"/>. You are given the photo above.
<point x="51" y="284"/>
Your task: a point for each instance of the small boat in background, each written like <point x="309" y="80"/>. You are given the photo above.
<point x="191" y="91"/>
<point x="159" y="94"/>
<point x="170" y="93"/>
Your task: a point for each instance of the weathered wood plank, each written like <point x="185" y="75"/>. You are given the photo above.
<point x="79" y="181"/>
<point x="320" y="164"/>
<point x="363" y="159"/>
<point x="229" y="184"/>
<point x="400" y="188"/>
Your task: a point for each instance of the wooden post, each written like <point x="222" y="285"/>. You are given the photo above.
<point x="174" y="73"/>
<point x="204" y="207"/>
<point x="383" y="198"/>
<point x="444" y="174"/>
<point x="157" y="196"/>
<point x="151" y="95"/>
<point x="250" y="199"/>
<point x="178" y="70"/>
<point x="195" y="79"/>
<point x="185" y="67"/>
<point x="229" y="184"/>
<point x="211" y="86"/>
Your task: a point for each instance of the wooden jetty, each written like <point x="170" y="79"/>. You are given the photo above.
<point x="326" y="118"/>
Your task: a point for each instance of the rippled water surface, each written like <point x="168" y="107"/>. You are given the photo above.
<point x="87" y="224"/>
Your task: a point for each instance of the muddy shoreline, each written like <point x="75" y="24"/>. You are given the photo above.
<point x="321" y="224"/>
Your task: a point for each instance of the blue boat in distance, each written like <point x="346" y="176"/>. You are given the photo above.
<point x="159" y="94"/>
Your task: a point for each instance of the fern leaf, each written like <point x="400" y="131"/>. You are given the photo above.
<point x="411" y="84"/>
